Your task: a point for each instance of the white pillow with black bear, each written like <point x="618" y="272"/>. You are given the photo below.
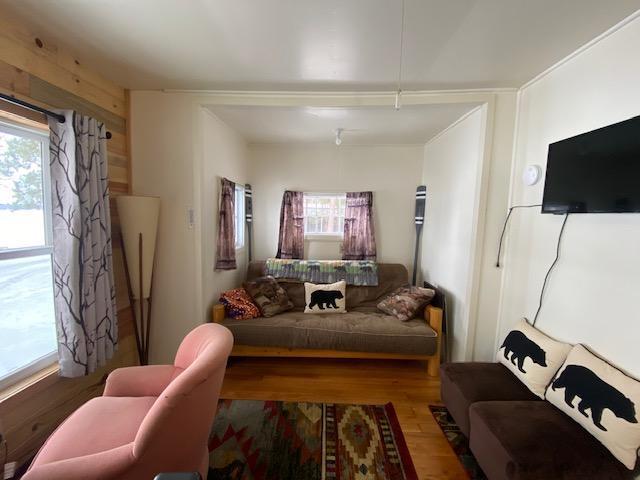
<point x="532" y="356"/>
<point x="325" y="298"/>
<point x="602" y="399"/>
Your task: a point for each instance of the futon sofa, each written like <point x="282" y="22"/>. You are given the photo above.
<point x="362" y="332"/>
<point x="515" y="435"/>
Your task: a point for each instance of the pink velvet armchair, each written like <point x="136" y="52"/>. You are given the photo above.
<point x="149" y="420"/>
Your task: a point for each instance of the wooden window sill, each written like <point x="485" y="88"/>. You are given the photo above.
<point x="323" y="237"/>
<point x="41" y="378"/>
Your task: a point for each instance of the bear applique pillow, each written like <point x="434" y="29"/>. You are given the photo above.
<point x="329" y="298"/>
<point x="602" y="399"/>
<point x="532" y="356"/>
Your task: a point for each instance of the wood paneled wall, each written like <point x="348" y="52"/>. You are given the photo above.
<point x="34" y="69"/>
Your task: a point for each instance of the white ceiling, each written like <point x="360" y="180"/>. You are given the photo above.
<point x="320" y="44"/>
<point x="412" y="124"/>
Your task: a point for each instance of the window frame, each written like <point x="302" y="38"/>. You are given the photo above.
<point x="239" y="215"/>
<point x="41" y="136"/>
<point x="324" y="236"/>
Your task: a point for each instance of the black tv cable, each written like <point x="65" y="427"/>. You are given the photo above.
<point x="504" y="228"/>
<point x="553" y="264"/>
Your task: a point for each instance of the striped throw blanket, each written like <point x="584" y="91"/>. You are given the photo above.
<point x="354" y="272"/>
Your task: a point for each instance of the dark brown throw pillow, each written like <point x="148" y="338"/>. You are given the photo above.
<point x="270" y="297"/>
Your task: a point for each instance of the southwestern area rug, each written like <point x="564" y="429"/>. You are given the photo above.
<point x="458" y="442"/>
<point x="255" y="440"/>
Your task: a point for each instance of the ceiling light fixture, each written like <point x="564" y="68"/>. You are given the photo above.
<point x="338" y="136"/>
<point x="399" y="90"/>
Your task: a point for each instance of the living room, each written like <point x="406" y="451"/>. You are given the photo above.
<point x="314" y="159"/>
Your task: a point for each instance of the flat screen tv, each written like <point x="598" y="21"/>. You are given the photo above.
<point x="596" y="172"/>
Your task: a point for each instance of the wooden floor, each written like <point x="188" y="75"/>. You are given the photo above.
<point x="404" y="383"/>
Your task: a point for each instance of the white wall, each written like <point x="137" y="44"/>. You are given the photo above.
<point x="593" y="293"/>
<point x="466" y="170"/>
<point x="451" y="166"/>
<point x="180" y="151"/>
<point x="391" y="172"/>
<point x="483" y="332"/>
<point x="225" y="155"/>
<point x="163" y="140"/>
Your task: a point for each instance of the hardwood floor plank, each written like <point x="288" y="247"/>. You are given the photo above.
<point x="404" y="383"/>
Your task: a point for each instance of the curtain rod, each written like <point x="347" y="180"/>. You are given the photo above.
<point x="35" y="108"/>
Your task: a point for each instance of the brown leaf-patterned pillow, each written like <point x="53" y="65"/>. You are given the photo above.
<point x="406" y="302"/>
<point x="270" y="297"/>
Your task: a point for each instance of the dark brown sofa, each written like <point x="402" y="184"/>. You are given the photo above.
<point x="515" y="435"/>
<point x="362" y="332"/>
<point x="463" y="384"/>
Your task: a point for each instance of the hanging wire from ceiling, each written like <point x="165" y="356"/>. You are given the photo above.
<point x="399" y="89"/>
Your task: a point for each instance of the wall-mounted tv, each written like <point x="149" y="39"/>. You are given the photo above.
<point x="596" y="172"/>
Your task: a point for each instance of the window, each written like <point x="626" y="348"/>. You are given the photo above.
<point x="239" y="214"/>
<point x="324" y="214"/>
<point x="27" y="319"/>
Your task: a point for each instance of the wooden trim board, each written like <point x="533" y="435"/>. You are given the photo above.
<point x="249" y="351"/>
<point x="32" y="52"/>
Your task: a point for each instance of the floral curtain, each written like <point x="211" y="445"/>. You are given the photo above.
<point x="84" y="290"/>
<point x="291" y="236"/>
<point x="359" y="237"/>
<point x="226" y="247"/>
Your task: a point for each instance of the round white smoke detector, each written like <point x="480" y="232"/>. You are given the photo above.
<point x="531" y="175"/>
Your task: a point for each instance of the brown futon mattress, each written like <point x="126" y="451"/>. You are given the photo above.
<point x="360" y="330"/>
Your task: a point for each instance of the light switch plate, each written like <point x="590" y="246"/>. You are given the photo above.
<point x="191" y="217"/>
